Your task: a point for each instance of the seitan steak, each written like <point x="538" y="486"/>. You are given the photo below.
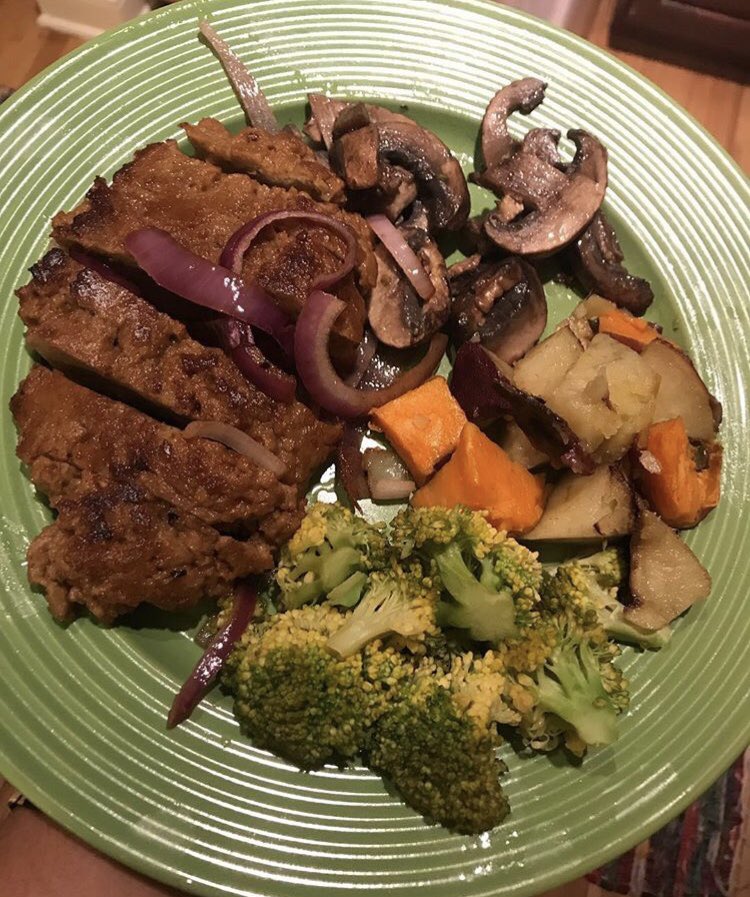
<point x="76" y="441"/>
<point x="201" y="207"/>
<point x="81" y="322"/>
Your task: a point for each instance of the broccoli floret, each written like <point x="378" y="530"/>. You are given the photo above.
<point x="329" y="556"/>
<point x="481" y="688"/>
<point x="489" y="581"/>
<point x="441" y="760"/>
<point x="570" y="685"/>
<point x="294" y="697"/>
<point x="589" y="586"/>
<point x="566" y="684"/>
<point x="400" y="601"/>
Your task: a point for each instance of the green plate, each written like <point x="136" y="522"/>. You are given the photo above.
<point x="82" y="709"/>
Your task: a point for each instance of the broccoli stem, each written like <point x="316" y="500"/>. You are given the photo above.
<point x="622" y="631"/>
<point x="347" y="593"/>
<point x="571" y="687"/>
<point x="489" y="615"/>
<point x="333" y="567"/>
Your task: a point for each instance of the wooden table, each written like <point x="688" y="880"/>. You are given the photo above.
<point x="39" y="859"/>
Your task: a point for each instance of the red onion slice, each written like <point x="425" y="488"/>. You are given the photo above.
<point x="235" y="439"/>
<point x="251" y="97"/>
<point x="212" y="286"/>
<point x="403" y="255"/>
<point x="324" y="111"/>
<point x="209" y="666"/>
<point x="237" y="340"/>
<point x="241" y="240"/>
<point x="319" y="376"/>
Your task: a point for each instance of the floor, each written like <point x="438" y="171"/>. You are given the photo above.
<point x="723" y="107"/>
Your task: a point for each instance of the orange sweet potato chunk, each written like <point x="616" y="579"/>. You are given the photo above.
<point x="633" y="332"/>
<point x="481" y="476"/>
<point x="422" y="425"/>
<point x="678" y="492"/>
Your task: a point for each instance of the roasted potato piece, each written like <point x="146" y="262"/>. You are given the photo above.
<point x="682" y="393"/>
<point x="485" y="393"/>
<point x="517" y="447"/>
<point x="607" y="398"/>
<point x="541" y="370"/>
<point x="586" y="508"/>
<point x="665" y="576"/>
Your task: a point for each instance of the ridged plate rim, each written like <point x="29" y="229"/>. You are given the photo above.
<point x="161" y="843"/>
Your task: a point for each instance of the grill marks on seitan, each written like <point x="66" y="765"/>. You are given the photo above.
<point x="201" y="207"/>
<point x="115" y="549"/>
<point x="75" y="441"/>
<point x="279" y="160"/>
<point x="79" y="321"/>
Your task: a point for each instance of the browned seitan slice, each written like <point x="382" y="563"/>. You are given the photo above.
<point x="80" y="322"/>
<point x="279" y="160"/>
<point x="115" y="549"/>
<point x="76" y="441"/>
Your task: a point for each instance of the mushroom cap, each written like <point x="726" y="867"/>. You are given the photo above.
<point x="560" y="204"/>
<point x="409" y="162"/>
<point x="519" y="96"/>
<point x="441" y="185"/>
<point x="597" y="261"/>
<point x="542" y="142"/>
<point x="398" y="317"/>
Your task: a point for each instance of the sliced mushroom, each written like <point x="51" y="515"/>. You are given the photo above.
<point x="404" y="151"/>
<point x="554" y="216"/>
<point x="466" y="267"/>
<point x="383" y="187"/>
<point x="398" y="189"/>
<point x="441" y="184"/>
<point x="542" y="142"/>
<point x="473" y="238"/>
<point x="353" y="116"/>
<point x="503" y="303"/>
<point x="397" y="315"/>
<point x="665" y="576"/>
<point x="323" y="112"/>
<point x="507" y="209"/>
<point x="519" y="96"/>
<point x="527" y="180"/>
<point x="597" y="261"/>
